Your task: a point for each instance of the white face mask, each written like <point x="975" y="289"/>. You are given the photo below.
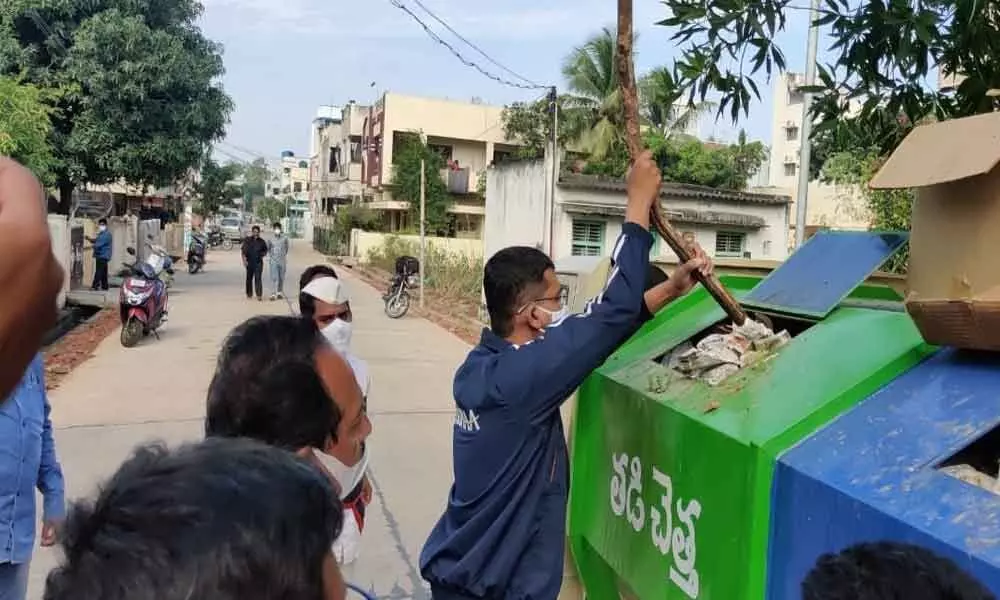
<point x="338" y="333"/>
<point x="556" y="315"/>
<point x="102" y="227"/>
<point x="277" y="232"/>
<point x="346" y="477"/>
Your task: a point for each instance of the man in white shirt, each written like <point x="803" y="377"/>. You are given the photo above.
<point x="324" y="299"/>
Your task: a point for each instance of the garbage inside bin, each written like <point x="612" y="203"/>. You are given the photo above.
<point x="719" y="355"/>
<point x="968" y="474"/>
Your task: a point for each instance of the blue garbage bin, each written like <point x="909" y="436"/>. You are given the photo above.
<point x="876" y="473"/>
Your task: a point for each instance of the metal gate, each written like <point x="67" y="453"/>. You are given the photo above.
<point x="76" y="257"/>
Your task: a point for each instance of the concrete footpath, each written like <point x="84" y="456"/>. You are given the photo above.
<point x="156" y="391"/>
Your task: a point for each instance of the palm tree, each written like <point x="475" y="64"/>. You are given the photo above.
<point x="660" y="101"/>
<point x="594" y="110"/>
<point x="594" y="105"/>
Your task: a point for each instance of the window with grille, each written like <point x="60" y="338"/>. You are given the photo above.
<point x="588" y="238"/>
<point x="730" y="244"/>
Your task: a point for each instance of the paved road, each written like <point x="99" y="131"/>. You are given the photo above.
<point x="156" y="391"/>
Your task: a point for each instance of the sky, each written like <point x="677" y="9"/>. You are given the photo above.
<point x="285" y="58"/>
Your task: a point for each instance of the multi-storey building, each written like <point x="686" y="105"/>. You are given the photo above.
<point x="335" y="169"/>
<point x="468" y="135"/>
<point x="828" y="206"/>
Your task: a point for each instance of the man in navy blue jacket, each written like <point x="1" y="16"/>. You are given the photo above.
<point x="502" y="535"/>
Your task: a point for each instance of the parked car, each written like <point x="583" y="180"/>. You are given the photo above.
<point x="232" y="228"/>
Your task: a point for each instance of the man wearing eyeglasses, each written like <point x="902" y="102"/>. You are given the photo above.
<point x="502" y="533"/>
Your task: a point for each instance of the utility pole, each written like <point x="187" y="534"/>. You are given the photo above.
<point x="805" y="145"/>
<point x="554" y="176"/>
<point x="423" y="238"/>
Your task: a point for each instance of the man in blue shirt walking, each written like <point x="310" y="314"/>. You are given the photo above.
<point x="102" y="255"/>
<point x="27" y="461"/>
<point x="502" y="535"/>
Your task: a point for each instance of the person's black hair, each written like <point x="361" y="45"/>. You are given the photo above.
<point x="276" y="225"/>
<point x="307" y="304"/>
<point x="102" y="221"/>
<point x="890" y="571"/>
<point x="255" y="228"/>
<point x="217" y="520"/>
<point x="266" y="385"/>
<point x="508" y="277"/>
<point x="654" y="277"/>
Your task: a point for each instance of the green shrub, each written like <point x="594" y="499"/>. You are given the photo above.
<point x="450" y="274"/>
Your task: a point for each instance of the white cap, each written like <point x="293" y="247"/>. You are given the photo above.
<point x="328" y="289"/>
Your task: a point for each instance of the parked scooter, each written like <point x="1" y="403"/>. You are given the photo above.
<point x="196" y="253"/>
<point x="142" y="302"/>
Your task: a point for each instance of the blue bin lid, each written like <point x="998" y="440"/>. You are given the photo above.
<point x="824" y="271"/>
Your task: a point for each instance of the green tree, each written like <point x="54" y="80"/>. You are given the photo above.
<point x="591" y="115"/>
<point x="661" y="103"/>
<point x="747" y="158"/>
<point x="25" y="127"/>
<point x="589" y="71"/>
<point x="890" y="209"/>
<point x="271" y="210"/>
<point x="530" y="125"/>
<point x="406" y="183"/>
<point x="884" y="57"/>
<point x="139" y="94"/>
<point x="216" y="188"/>
<point x="683" y="159"/>
<point x="690" y="161"/>
<point x="255" y="176"/>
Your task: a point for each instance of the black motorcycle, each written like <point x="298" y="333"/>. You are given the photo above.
<point x="397" y="298"/>
<point x="196" y="253"/>
<point x="216" y="239"/>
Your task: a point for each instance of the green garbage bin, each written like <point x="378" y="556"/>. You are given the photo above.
<point x="671" y="477"/>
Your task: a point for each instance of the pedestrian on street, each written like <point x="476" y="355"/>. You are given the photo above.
<point x="324" y="300"/>
<point x="30" y="275"/>
<point x="217" y="520"/>
<point x="503" y="532"/>
<point x="27" y="461"/>
<point x="102" y="255"/>
<point x="280" y="382"/>
<point x="254" y="250"/>
<point x="277" y="251"/>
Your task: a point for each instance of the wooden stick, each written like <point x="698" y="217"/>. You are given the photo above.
<point x="630" y="99"/>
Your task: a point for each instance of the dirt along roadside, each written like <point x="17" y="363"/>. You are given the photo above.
<point x="77" y="346"/>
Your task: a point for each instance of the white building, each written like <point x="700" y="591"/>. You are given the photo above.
<point x="335" y="166"/>
<point x="589" y="212"/>
<point x="288" y="182"/>
<point x="829" y="206"/>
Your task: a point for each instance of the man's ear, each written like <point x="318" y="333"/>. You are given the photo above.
<point x="535" y="318"/>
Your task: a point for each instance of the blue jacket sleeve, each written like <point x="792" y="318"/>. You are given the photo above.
<point x="542" y="373"/>
<point x="50" y="476"/>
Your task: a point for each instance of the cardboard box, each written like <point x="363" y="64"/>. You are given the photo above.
<point x="954" y="270"/>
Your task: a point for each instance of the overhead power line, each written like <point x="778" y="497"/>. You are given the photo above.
<point x="473" y="46"/>
<point x="434" y="36"/>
